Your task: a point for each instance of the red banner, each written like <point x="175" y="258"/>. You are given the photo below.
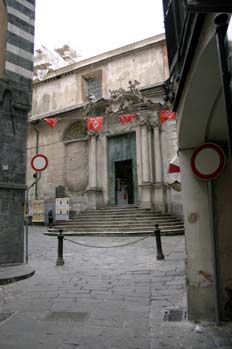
<point x="173" y="168"/>
<point x="174" y="165"/>
<point x="126" y="118"/>
<point x="51" y="121"/>
<point x="95" y="123"/>
<point x="167" y="115"/>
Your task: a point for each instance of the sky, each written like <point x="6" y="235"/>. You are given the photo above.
<point x="96" y="26"/>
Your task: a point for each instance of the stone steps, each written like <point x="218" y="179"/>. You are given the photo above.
<point x="127" y="220"/>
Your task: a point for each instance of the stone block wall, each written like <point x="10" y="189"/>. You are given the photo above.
<point x="15" y="103"/>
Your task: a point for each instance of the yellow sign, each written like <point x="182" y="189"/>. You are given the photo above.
<point x="37" y="211"/>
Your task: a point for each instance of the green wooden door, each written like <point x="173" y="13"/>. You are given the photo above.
<point x="120" y="148"/>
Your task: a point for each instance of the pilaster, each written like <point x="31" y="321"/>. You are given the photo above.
<point x="14" y="106"/>
<point x="159" y="189"/>
<point x="146" y="185"/>
<point x="94" y="193"/>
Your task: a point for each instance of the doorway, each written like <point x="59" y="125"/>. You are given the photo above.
<point x="124" y="186"/>
<point x="122" y="169"/>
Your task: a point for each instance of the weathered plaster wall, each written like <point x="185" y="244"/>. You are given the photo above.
<point x="202" y="118"/>
<point x="50" y="145"/>
<point x="68" y="91"/>
<point x="198" y="242"/>
<point x="62" y="93"/>
<point x="76" y="165"/>
<point x="151" y="68"/>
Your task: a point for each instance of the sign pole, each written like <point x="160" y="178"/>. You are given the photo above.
<point x="27" y="203"/>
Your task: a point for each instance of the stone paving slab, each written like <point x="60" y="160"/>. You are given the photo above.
<point x="124" y="293"/>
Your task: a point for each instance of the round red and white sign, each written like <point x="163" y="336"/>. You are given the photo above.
<point x="39" y="162"/>
<point x="208" y="161"/>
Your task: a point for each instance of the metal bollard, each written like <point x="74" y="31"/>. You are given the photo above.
<point x="60" y="237"/>
<point x="160" y="254"/>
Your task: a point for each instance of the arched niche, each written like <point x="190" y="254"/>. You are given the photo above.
<point x="3" y="31"/>
<point x="76" y="131"/>
<point x="76" y="157"/>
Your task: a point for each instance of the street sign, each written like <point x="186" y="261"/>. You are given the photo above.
<point x="208" y="161"/>
<point x="39" y="162"/>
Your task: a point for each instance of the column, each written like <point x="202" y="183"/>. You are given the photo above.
<point x="145" y="186"/>
<point x="93" y="161"/>
<point x="200" y="292"/>
<point x="104" y="169"/>
<point x="145" y="154"/>
<point x="158" y="156"/>
<point x="159" y="187"/>
<point x="94" y="194"/>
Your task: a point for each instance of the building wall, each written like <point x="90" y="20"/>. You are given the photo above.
<point x="202" y="118"/>
<point x="70" y="160"/>
<point x="15" y="102"/>
<point x="116" y="70"/>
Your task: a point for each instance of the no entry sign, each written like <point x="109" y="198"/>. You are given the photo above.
<point x="208" y="161"/>
<point x="39" y="162"/>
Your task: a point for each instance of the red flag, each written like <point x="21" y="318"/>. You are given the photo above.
<point x="174" y="165"/>
<point x="51" y="121"/>
<point x="126" y="118"/>
<point x="167" y="115"/>
<point x="95" y="123"/>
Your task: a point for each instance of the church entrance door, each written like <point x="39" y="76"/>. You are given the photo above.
<point x="122" y="169"/>
<point x="124" y="186"/>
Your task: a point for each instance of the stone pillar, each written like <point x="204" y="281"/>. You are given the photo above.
<point x="14" y="105"/>
<point x="200" y="289"/>
<point x="93" y="162"/>
<point x="158" y="156"/>
<point x="94" y="193"/>
<point x="145" y="186"/>
<point x="16" y="76"/>
<point x="104" y="170"/>
<point x="159" y="188"/>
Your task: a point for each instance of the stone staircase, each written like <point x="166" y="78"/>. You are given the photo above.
<point x="122" y="220"/>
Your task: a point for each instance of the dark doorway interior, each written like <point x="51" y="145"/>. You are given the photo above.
<point x="124" y="187"/>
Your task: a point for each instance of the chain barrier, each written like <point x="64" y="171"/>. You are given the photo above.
<point x="112" y="246"/>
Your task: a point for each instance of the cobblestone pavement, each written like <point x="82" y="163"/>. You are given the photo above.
<point x="102" y="298"/>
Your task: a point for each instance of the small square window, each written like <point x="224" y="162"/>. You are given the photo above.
<point x="92" y="85"/>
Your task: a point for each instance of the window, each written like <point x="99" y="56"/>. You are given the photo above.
<point x="92" y="85"/>
<point x="94" y="88"/>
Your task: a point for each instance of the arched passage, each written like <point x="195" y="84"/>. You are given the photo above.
<point x="201" y="94"/>
<point x="202" y="118"/>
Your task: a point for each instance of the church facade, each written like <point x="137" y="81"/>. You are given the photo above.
<point x="108" y="146"/>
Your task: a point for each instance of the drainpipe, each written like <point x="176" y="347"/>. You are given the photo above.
<point x="221" y="25"/>
<point x="37" y="151"/>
